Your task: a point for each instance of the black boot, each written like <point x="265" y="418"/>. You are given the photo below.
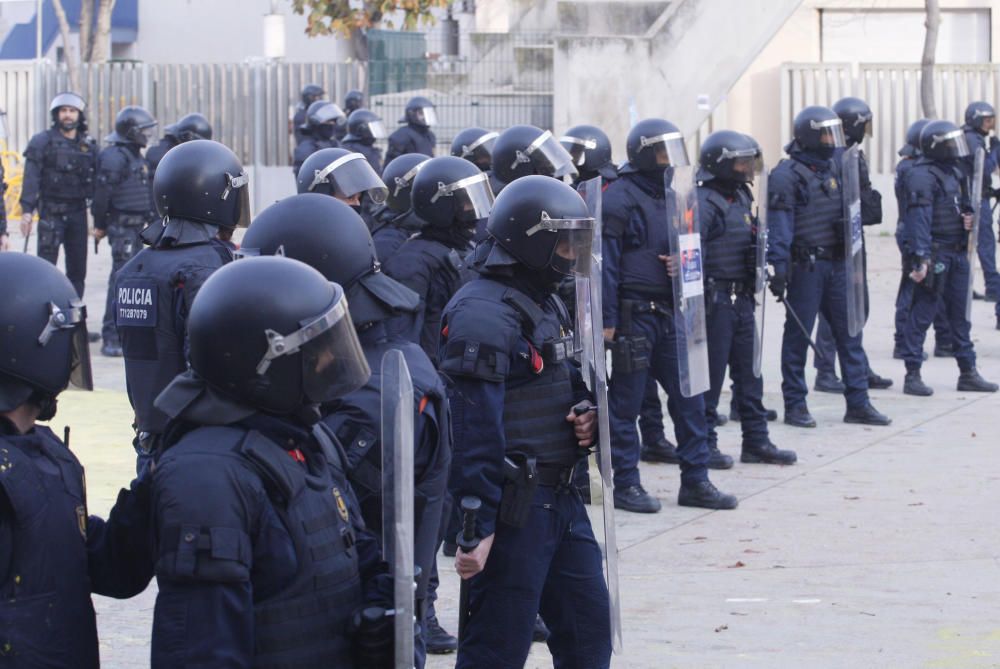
<point x="877" y="382"/>
<point x="659" y="451"/>
<point x="767" y="454"/>
<point x="827" y="382"/>
<point x="865" y="415"/>
<point x="914" y="385"/>
<point x="93" y="337"/>
<point x="771" y="414"/>
<point x="943" y="350"/>
<point x="717" y="459"/>
<point x="897" y="353"/>
<point x="706" y="496"/>
<point x="799" y="416"/>
<point x="111" y="349"/>
<point x="541" y="633"/>
<point x="970" y="381"/>
<point x="438" y="641"/>
<point x="635" y="499"/>
<point x="449" y="548"/>
<point x="721" y="419"/>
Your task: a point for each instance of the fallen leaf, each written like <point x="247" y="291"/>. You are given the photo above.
<point x="736" y="566"/>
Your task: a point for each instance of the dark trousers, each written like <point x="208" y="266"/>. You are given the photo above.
<point x="551" y="566"/>
<point x="651" y="414"/>
<point x="730" y="344"/>
<point x="904" y="300"/>
<point x="123" y="236"/>
<point x="951" y="286"/>
<point x="69" y="230"/>
<point x="827" y="362"/>
<point x="625" y="396"/>
<point x="820" y="288"/>
<point x="986" y="249"/>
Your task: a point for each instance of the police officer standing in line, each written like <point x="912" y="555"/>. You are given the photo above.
<point x="416" y="136"/>
<point x="353" y="101"/>
<point x="639" y="323"/>
<point x="262" y="558"/>
<point x="58" y="183"/>
<point x="395" y="221"/>
<point x="451" y="196"/>
<point x="191" y="127"/>
<point x="122" y="205"/>
<point x="476" y="146"/>
<point x="330" y="237"/>
<point x="980" y="121"/>
<point x="806" y="249"/>
<point x="938" y="219"/>
<point x="53" y="555"/>
<point x="856" y="116"/>
<point x="202" y="194"/>
<point x="728" y="162"/>
<point x="364" y="128"/>
<point x="521" y="424"/>
<point x="322" y="119"/>
<point x="310" y="94"/>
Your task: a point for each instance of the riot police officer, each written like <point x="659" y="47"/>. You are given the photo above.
<point x="190" y="127"/>
<point x="937" y="222"/>
<point x="53" y="555"/>
<point x="364" y="128"/>
<point x="262" y="556"/>
<point x="122" y="205"/>
<point x="322" y="119"/>
<point x="806" y="249"/>
<point x="451" y="196"/>
<point x="980" y="121"/>
<point x="58" y="182"/>
<point x="476" y="146"/>
<point x="728" y="162"/>
<point x="333" y="239"/>
<point x="353" y="100"/>
<point x="202" y="194"/>
<point x="345" y="175"/>
<point x="639" y="325"/>
<point x="523" y="150"/>
<point x="310" y="94"/>
<point x="395" y="221"/>
<point x="416" y="136"/>
<point x="521" y="424"/>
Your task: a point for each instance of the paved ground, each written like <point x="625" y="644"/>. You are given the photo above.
<point x="879" y="549"/>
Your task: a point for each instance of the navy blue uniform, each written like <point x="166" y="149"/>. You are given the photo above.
<point x="308" y="146"/>
<point x="366" y="148"/>
<point x="298" y="123"/>
<point x="58" y="182"/>
<point x="637" y="299"/>
<point x="806" y="245"/>
<point x="986" y="244"/>
<point x="410" y="139"/>
<point x="3" y="210"/>
<point x="510" y="392"/>
<point x="53" y="555"/>
<point x="935" y="201"/>
<point x="154" y="154"/>
<point x="390" y="230"/>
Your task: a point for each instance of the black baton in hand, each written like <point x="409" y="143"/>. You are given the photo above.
<point x="805" y="333"/>
<point x="467" y="541"/>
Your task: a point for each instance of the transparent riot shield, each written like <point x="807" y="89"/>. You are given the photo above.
<point x="689" y="280"/>
<point x="590" y="329"/>
<point x="976" y="195"/>
<point x="397" y="497"/>
<point x="854" y="259"/>
<point x="760" y="268"/>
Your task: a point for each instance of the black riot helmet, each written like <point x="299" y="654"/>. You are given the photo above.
<point x="275" y="350"/>
<point x="398" y="177"/>
<point x="855" y="117"/>
<point x="449" y="191"/>
<point x="354" y="99"/>
<point x="544" y="224"/>
<point x="202" y="181"/>
<point x="943" y="140"/>
<point x="311" y="93"/>
<point x="912" y="147"/>
<point x="523" y="150"/>
<point x="819" y="130"/>
<point x="340" y="173"/>
<point x="591" y="151"/>
<point x="69" y="99"/>
<point x="730" y="156"/>
<point x="420" y="112"/>
<point x="133" y="125"/>
<point x="43" y="334"/>
<point x="321" y="118"/>
<point x="977" y="113"/>
<point x="191" y="127"/>
<point x="364" y="125"/>
<point x="476" y="146"/>
<point x="331" y="237"/>
<point x="654" y="143"/>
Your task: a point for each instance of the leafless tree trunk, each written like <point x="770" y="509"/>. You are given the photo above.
<point x="86" y="30"/>
<point x="932" y="23"/>
<point x="102" y="32"/>
<point x="74" y="73"/>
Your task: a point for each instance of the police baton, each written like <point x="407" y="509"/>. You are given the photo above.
<point x="805" y="333"/>
<point x="467" y="541"/>
<point x="27" y="237"/>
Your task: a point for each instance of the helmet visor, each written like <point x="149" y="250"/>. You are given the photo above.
<point x="741" y="164"/>
<point x="400" y="184"/>
<point x="80" y="374"/>
<point x="239" y="187"/>
<point x="328" y="113"/>
<point x="473" y="197"/>
<point x="426" y="115"/>
<point x="482" y="146"/>
<point x="950" y="144"/>
<point x="376" y="129"/>
<point x="577" y="148"/>
<point x="669" y="149"/>
<point x="830" y="133"/>
<point x="351" y="175"/>
<point x="74" y="319"/>
<point x="574" y="241"/>
<point x="548" y="156"/>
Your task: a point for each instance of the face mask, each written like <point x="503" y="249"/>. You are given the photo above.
<point x="324" y="130"/>
<point x="824" y="152"/>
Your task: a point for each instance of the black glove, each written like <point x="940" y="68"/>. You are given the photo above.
<point x="373" y="634"/>
<point x="994" y="143"/>
<point x="777" y="285"/>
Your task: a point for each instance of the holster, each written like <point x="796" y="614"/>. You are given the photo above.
<point x="50" y="234"/>
<point x="520" y="480"/>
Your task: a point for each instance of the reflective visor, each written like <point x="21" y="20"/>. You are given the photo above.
<point x="329" y="113"/>
<point x="548" y="156"/>
<point x="428" y="115"/>
<point x="572" y="249"/>
<point x="484" y="144"/>
<point x="474" y="196"/>
<point x="73" y="318"/>
<point x="351" y="175"/>
<point x="832" y="128"/>
<point x="377" y="129"/>
<point x="672" y="144"/>
<point x="959" y="147"/>
<point x="239" y="187"/>
<point x="746" y="162"/>
<point x="577" y="148"/>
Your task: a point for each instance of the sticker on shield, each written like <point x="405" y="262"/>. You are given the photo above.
<point x="135" y="303"/>
<point x="691" y="272"/>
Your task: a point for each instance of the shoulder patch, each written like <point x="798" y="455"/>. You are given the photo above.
<point x="136" y="303"/>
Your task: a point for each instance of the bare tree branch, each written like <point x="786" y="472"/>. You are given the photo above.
<point x="86" y="30"/>
<point x="932" y="22"/>
<point x="102" y="32"/>
<point x="74" y="73"/>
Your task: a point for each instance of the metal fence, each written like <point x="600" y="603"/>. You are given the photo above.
<point x="892" y="91"/>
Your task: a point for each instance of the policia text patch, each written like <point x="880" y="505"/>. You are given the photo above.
<point x="135" y="303"/>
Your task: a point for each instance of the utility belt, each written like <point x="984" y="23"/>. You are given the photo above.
<point x="811" y="254"/>
<point x="50" y="208"/>
<point x="128" y="219"/>
<point x="521" y="477"/>
<point x="730" y="287"/>
<point x="629" y="351"/>
<point x="949" y="246"/>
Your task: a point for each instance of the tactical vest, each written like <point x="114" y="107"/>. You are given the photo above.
<point x="46" y="615"/>
<point x="148" y="304"/>
<point x="67" y="168"/>
<point x="645" y="238"/>
<point x="946" y="216"/>
<point x="725" y="255"/>
<point x="371" y="153"/>
<point x="819" y="221"/>
<point x="130" y="192"/>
